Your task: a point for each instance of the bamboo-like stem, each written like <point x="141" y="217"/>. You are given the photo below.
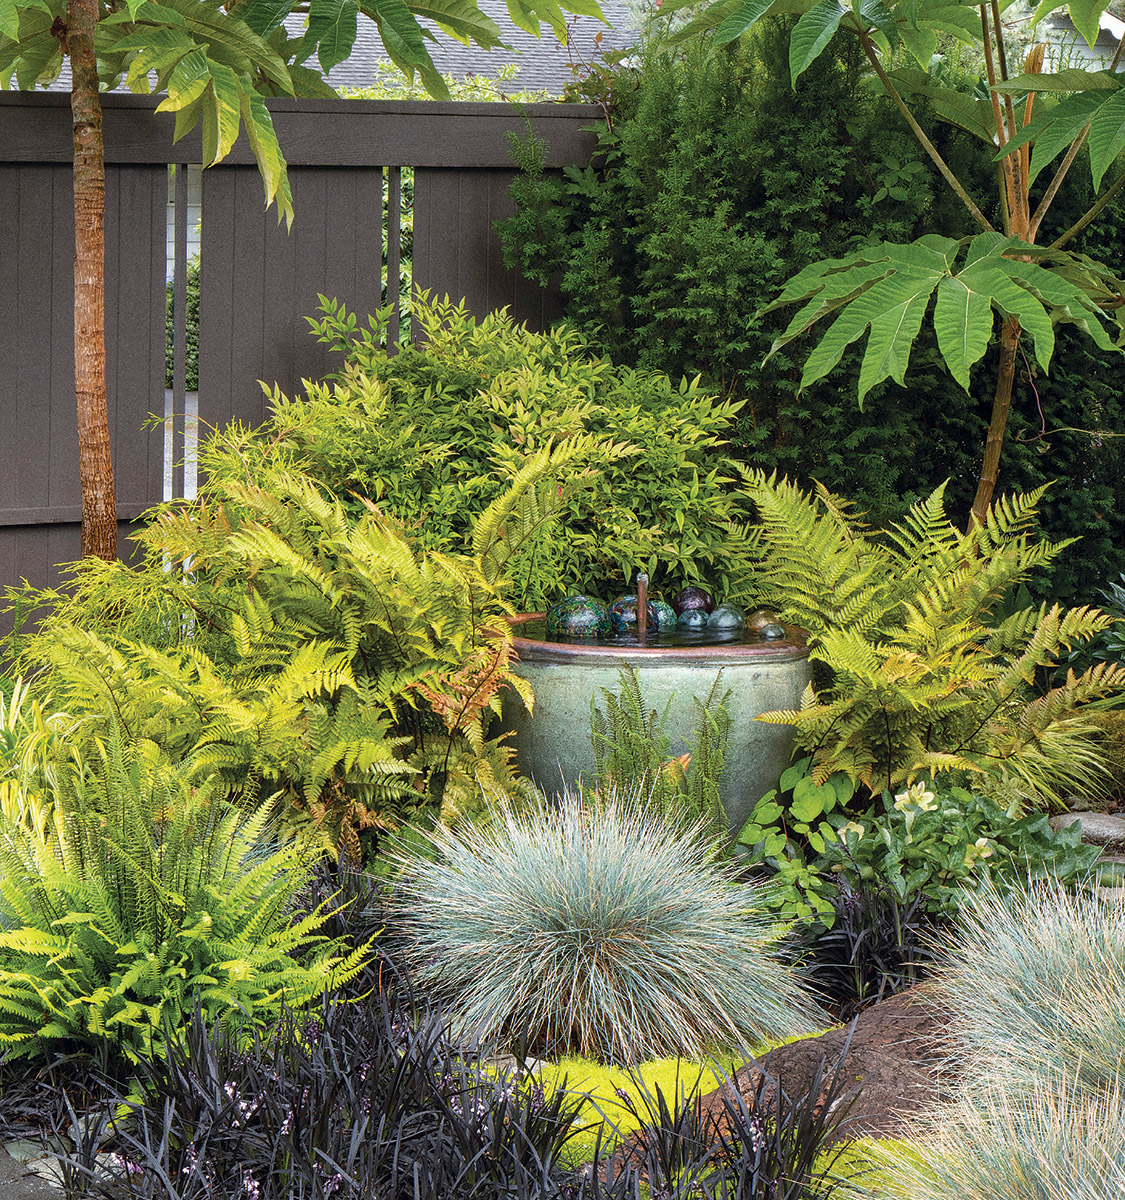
<point x="1011" y="181"/>
<point x="1019" y="178"/>
<point x="935" y="155"/>
<point x="1091" y="213"/>
<point x="1001" y="404"/>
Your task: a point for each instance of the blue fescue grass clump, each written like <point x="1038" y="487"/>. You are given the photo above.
<point x="1054" y="1141"/>
<point x="598" y="930"/>
<point x="1035" y="979"/>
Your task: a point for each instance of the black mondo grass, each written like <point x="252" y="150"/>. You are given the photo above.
<point x="600" y="930"/>
<point x="361" y="1100"/>
<point x="375" y="1102"/>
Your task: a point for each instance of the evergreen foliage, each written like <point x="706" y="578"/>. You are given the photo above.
<point x="631" y="750"/>
<point x="146" y="897"/>
<point x="715" y="184"/>
<point x="926" y="673"/>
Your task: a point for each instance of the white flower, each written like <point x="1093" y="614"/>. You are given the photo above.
<point x="917" y="796"/>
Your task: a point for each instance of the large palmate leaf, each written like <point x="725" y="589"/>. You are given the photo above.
<point x="884" y="291"/>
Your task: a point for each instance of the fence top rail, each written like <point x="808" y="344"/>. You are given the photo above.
<point x="35" y="127"/>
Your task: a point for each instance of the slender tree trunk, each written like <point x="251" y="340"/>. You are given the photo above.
<point x="99" y="515"/>
<point x="994" y="442"/>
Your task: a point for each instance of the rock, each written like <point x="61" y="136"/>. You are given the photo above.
<point x="1098" y="829"/>
<point x="771" y="633"/>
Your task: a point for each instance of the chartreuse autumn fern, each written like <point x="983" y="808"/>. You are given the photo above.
<point x="924" y="673"/>
<point x="147" y="896"/>
<point x="297" y="650"/>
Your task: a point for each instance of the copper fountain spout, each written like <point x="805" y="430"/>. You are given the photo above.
<point x="642" y="608"/>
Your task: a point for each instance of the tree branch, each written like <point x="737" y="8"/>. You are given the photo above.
<point x="869" y="49"/>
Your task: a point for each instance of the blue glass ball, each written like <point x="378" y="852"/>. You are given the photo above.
<point x="578" y="617"/>
<point x="692" y="618"/>
<point x="623" y="613"/>
<point x="665" y="614"/>
<point x="727" y="617"/>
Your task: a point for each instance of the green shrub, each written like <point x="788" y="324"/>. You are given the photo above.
<point x="192" y="356"/>
<point x="433" y="432"/>
<point x="147" y="896"/>
<point x="602" y="931"/>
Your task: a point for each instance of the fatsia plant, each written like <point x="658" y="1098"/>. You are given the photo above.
<point x="1000" y="276"/>
<point x="924" y="672"/>
<point x="146" y="897"/>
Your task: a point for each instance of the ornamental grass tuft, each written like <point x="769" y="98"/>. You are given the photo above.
<point x="596" y="930"/>
<point x="1035" y="979"/>
<point x="1054" y="1141"/>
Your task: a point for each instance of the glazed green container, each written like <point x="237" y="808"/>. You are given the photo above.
<point x="553" y="747"/>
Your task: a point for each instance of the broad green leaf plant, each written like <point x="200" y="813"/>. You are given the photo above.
<point x="1032" y="120"/>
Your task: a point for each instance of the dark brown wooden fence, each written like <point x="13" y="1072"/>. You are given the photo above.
<point x="257" y="284"/>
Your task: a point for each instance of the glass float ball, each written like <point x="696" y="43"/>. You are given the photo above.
<point x="623" y="613"/>
<point x="726" y="617"/>
<point x="771" y="633"/>
<point x="692" y="618"/>
<point x="664" y="612"/>
<point x="692" y="597"/>
<point x="760" y="618"/>
<point x="578" y="617"/>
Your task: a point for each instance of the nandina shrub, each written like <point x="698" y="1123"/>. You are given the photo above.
<point x="596" y="929"/>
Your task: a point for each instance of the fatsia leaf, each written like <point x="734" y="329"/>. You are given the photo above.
<point x="963" y="324"/>
<point x="885" y="290"/>
<point x="956" y="108"/>
<point x="1086" y="15"/>
<point x="812" y="33"/>
<point x="745" y="15"/>
<point x="1056" y="128"/>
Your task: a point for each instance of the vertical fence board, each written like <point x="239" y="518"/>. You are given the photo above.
<point x="258" y="281"/>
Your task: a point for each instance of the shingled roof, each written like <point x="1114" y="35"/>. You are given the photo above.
<point x="543" y="63"/>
